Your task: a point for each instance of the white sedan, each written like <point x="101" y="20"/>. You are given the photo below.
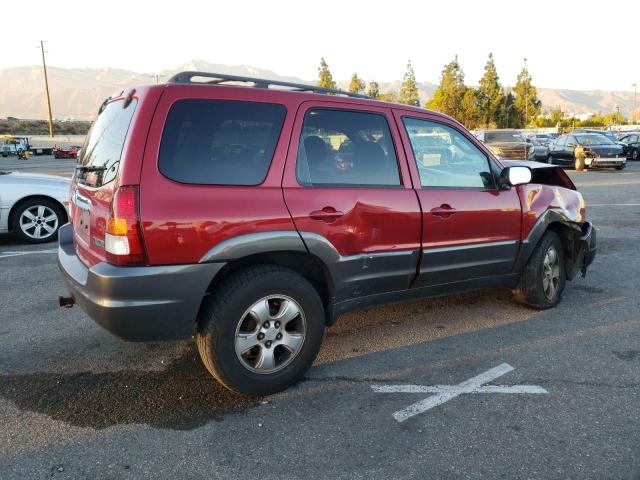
<point x="33" y="206"/>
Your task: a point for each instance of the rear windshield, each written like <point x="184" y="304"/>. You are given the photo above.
<point x="102" y="148"/>
<point x="219" y="142"/>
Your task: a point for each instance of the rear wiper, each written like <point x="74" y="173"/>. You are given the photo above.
<point x="90" y="168"/>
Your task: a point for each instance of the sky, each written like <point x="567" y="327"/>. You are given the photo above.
<point x="569" y="44"/>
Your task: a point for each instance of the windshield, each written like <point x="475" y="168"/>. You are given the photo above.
<point x="594" y="139"/>
<point x="103" y="146"/>
<point x="503" y="137"/>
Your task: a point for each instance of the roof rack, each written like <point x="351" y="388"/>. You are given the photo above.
<point x="221" y="78"/>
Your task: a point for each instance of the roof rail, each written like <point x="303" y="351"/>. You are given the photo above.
<point x="220" y="78"/>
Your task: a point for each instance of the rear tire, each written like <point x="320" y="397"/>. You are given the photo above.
<point x="265" y="301"/>
<point x="543" y="278"/>
<point x="48" y="217"/>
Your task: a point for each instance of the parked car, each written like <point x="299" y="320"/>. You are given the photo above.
<point x="32" y="206"/>
<point x="540" y="147"/>
<point x="541" y="138"/>
<point x="599" y="151"/>
<point x="70" y="152"/>
<point x="631" y="145"/>
<point x="507" y="144"/>
<point x="253" y="218"/>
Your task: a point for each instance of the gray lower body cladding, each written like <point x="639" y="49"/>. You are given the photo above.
<point x="136" y="303"/>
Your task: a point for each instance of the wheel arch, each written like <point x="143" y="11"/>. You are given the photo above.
<point x="16" y="205"/>
<point x="568" y="231"/>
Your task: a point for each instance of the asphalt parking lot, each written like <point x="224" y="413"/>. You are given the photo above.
<point x="470" y="386"/>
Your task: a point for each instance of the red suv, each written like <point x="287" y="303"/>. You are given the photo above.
<point x="253" y="216"/>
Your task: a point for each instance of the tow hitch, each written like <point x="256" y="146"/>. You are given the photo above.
<point x="66" y="302"/>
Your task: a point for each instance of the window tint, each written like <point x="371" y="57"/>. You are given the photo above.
<point x="445" y="157"/>
<point x="103" y="146"/>
<point x="219" y="142"/>
<point x="340" y="147"/>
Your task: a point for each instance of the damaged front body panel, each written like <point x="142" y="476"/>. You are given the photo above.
<point x="551" y="201"/>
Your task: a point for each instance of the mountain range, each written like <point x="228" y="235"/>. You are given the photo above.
<point x="77" y="92"/>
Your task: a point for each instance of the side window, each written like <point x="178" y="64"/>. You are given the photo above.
<point x="343" y="147"/>
<point x="445" y="157"/>
<point x="219" y="142"/>
<point x="571" y="140"/>
<point x="561" y="141"/>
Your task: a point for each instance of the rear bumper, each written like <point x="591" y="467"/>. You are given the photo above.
<point x="136" y="303"/>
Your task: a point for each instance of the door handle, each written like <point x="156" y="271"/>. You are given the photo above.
<point x="444" y="211"/>
<point x="327" y="214"/>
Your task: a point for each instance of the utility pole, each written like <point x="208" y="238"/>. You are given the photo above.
<point x="46" y="89"/>
<point x="633" y="115"/>
<point x="526" y="95"/>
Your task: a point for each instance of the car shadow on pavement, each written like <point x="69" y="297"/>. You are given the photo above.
<point x="181" y="397"/>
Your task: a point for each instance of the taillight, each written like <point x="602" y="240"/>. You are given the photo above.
<point x="123" y="240"/>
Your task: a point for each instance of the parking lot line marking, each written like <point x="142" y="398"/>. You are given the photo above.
<point x="444" y="393"/>
<point x="17" y="254"/>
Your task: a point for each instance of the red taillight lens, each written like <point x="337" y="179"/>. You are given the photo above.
<point x="123" y="239"/>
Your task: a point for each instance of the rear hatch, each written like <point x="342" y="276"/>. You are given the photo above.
<point x="96" y="177"/>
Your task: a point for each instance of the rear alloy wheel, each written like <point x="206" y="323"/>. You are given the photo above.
<point x="260" y="331"/>
<point x="543" y="279"/>
<point x="37" y="220"/>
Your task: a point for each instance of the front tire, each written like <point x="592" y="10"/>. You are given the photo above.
<point x="261" y="331"/>
<point x="543" y="278"/>
<point x="635" y="154"/>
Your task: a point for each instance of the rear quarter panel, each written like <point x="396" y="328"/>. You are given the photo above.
<point x="181" y="222"/>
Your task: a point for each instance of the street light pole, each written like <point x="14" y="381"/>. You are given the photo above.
<point x="526" y="95"/>
<point x="46" y="89"/>
<point x="633" y="115"/>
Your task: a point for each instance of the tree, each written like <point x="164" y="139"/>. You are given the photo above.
<point x="448" y="96"/>
<point x="325" y="79"/>
<point x="507" y="113"/>
<point x="470" y="115"/>
<point x="374" y="90"/>
<point x="389" y="97"/>
<point x="527" y="104"/>
<point x="490" y="93"/>
<point x="356" y="85"/>
<point x="409" y="88"/>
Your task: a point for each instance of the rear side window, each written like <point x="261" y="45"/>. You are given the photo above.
<point x="102" y="148"/>
<point x="342" y="147"/>
<point x="220" y="142"/>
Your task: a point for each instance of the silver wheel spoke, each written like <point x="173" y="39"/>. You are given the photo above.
<point x="51" y="218"/>
<point x="48" y="228"/>
<point x="38" y="231"/>
<point x="246" y="341"/>
<point x="260" y="311"/>
<point x="26" y="226"/>
<point x="288" y="311"/>
<point x="29" y="215"/>
<point x="266" y="360"/>
<point x="40" y="210"/>
<point x="292" y="341"/>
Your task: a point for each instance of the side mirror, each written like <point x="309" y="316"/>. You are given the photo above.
<point x="513" y="176"/>
<point x="571" y="144"/>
